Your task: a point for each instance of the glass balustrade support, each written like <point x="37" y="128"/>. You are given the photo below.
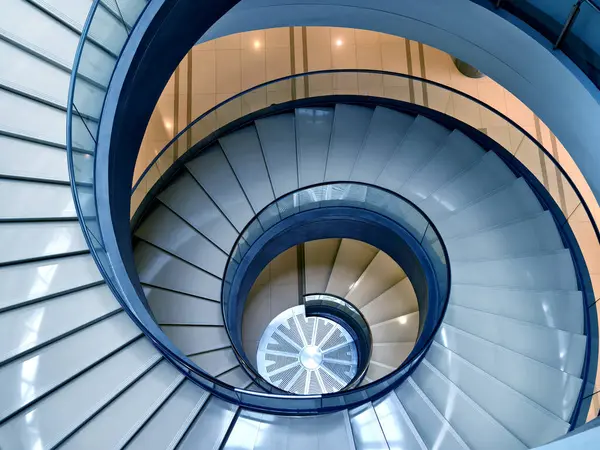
<point x="568" y="23"/>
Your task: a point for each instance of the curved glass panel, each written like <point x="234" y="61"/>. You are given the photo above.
<point x="354" y="195"/>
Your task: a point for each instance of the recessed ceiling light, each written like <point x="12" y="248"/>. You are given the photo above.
<point x="339" y="42"/>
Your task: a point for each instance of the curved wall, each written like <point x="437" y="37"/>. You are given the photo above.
<point x="501" y="46"/>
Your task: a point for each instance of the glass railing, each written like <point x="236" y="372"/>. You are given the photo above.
<point x="347" y="315"/>
<point x="572" y="26"/>
<point x="361" y="196"/>
<point x="551" y="181"/>
<point x="84" y="110"/>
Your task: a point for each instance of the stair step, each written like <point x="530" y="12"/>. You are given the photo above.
<point x="180" y="309"/>
<point x="319" y="258"/>
<point x="386" y="130"/>
<point x="282" y="432"/>
<point x="559" y="349"/>
<point x="352" y="258"/>
<point x="553" y="309"/>
<point x="77" y="352"/>
<point x="553" y="270"/>
<point x="528" y="237"/>
<point x="512" y="203"/>
<point x="210" y="426"/>
<point x="313" y="133"/>
<point x="277" y="135"/>
<point x="399" y="430"/>
<point x="20" y="158"/>
<point x="529" y="422"/>
<point x="29" y="200"/>
<point x="435" y="431"/>
<point x="366" y="429"/>
<point x="391" y="354"/>
<point x="38" y="78"/>
<point x="28" y="282"/>
<point x="171" y="421"/>
<point x="121" y="419"/>
<point x="53" y="318"/>
<point x="236" y="378"/>
<point x="535" y="380"/>
<point x="161" y="269"/>
<point x="196" y="339"/>
<point x="487" y="176"/>
<point x="54" y="40"/>
<point x="378" y="370"/>
<point x="166" y="230"/>
<point x="213" y="172"/>
<point x="381" y="274"/>
<point x="24" y="241"/>
<point x="457" y="155"/>
<point x="244" y="153"/>
<point x="79" y="400"/>
<point x="190" y="202"/>
<point x="350" y="127"/>
<point x="475" y="426"/>
<point x="420" y="144"/>
<point x="399" y="329"/>
<point x="397" y="301"/>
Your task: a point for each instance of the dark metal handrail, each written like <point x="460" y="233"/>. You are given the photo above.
<point x="328" y="299"/>
<point x="207" y="382"/>
<point x="409" y="363"/>
<point x="380" y="72"/>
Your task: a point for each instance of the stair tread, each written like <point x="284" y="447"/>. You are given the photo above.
<point x="536" y="426"/>
<point x="534" y="379"/>
<point x="557" y="348"/>
<point x="472" y="422"/>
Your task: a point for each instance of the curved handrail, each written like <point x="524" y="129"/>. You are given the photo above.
<point x="549" y="155"/>
<point x="102" y="259"/>
<point x="428" y="229"/>
<point x="363" y="323"/>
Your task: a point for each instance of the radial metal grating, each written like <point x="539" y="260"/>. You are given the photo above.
<point x="306" y="355"/>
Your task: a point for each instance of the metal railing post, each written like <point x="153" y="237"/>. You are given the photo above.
<point x="569" y="23"/>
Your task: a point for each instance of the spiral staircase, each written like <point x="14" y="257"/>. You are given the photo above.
<point x="503" y="370"/>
